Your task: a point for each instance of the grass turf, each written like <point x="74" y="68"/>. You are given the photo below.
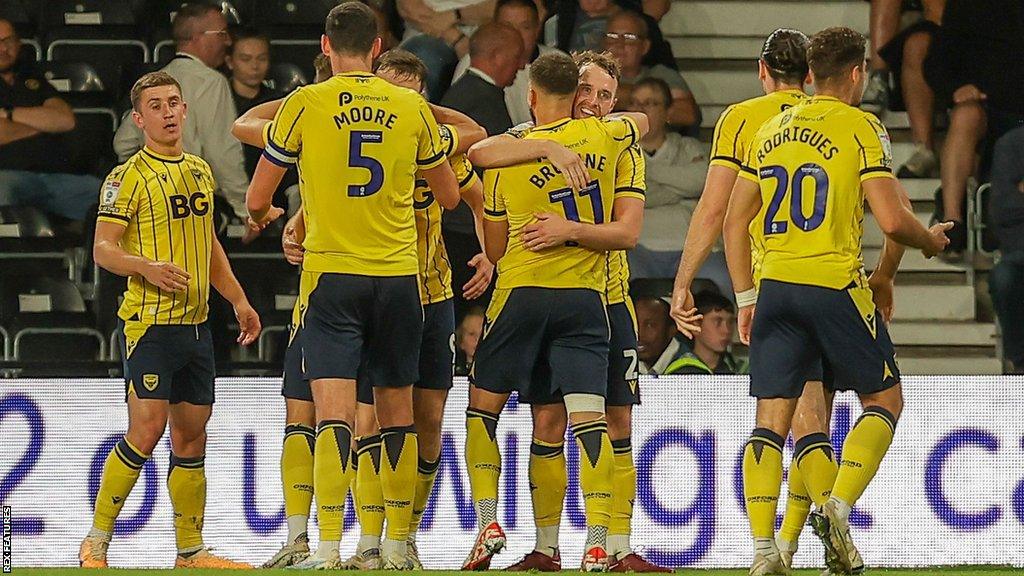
<point x="934" y="571"/>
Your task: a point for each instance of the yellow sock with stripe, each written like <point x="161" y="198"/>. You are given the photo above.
<point x="368" y="493"/>
<point x="597" y="464"/>
<point x="483" y="462"/>
<point x="186" y="484"/>
<point x="425" y="474"/>
<point x="398" y="483"/>
<point x="548" y="482"/>
<point x="330" y="480"/>
<point x="798" y="507"/>
<point x="120" y="472"/>
<point x="762" y="481"/>
<point x="863" y="451"/>
<point x="297" y="477"/>
<point x="623" y="495"/>
<point x="816" y="461"/>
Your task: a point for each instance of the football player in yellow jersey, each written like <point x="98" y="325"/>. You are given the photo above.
<point x="155" y="226"/>
<point x="547" y="329"/>
<point x="595" y="96"/>
<point x="803" y="185"/>
<point x="360" y="291"/>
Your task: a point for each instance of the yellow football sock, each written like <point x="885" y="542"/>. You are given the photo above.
<point x="762" y="480"/>
<point x="425" y="474"/>
<point x="548" y="481"/>
<point x="186" y="484"/>
<point x="483" y="462"/>
<point x="398" y="479"/>
<point x="863" y="451"/>
<point x="368" y="494"/>
<point x="623" y="495"/>
<point x="120" y="472"/>
<point x="331" y="477"/>
<point x="798" y="505"/>
<point x="297" y="476"/>
<point x="814" y="458"/>
<point x="597" y="463"/>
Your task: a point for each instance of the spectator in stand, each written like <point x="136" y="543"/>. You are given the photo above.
<point x="710" y="354"/>
<point x="658" y="345"/>
<point x="33" y="155"/>
<point x="467" y="337"/>
<point x="676" y="167"/>
<point x="1006" y="280"/>
<point x="975" y="64"/>
<point x="201" y="34"/>
<point x="581" y="25"/>
<point x="903" y="56"/>
<point x="389" y="23"/>
<point x="495" y="56"/>
<point x="628" y="39"/>
<point x="524" y="17"/>
<point x="438" y="31"/>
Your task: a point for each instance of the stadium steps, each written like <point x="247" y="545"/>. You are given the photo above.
<point x="716" y="43"/>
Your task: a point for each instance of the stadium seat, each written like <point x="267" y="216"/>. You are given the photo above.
<point x="163" y="51"/>
<point x="51" y="321"/>
<point x="112" y="59"/>
<point x="31" y="51"/>
<point x="6" y="343"/>
<point x="23" y="15"/>
<point x="285" y="77"/>
<point x="93" y="14"/>
<point x="79" y="83"/>
<point x="159" y="14"/>
<point x="92" y="141"/>
<point x="301" y="19"/>
<point x="298" y="52"/>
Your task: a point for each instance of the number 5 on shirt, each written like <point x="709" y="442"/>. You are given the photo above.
<point x="358" y="159"/>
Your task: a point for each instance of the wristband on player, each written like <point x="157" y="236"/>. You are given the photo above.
<point x="746" y="298"/>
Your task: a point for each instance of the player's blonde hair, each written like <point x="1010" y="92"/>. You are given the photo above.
<point x="151" y="80"/>
<point x="603" y="60"/>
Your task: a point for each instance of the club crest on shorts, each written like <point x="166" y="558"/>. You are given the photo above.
<point x="150" y="381"/>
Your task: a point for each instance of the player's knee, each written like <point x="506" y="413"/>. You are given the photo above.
<point x="145" y="435"/>
<point x="549" y="423"/>
<point x="188" y="442"/>
<point x="300" y="412"/>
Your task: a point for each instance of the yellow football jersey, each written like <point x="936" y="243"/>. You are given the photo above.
<point x="734" y="133"/>
<point x="517" y="193"/>
<point x="630" y="181"/>
<point x="809" y="162"/>
<point x="358" y="141"/>
<point x="166" y="207"/>
<point x="435" y="268"/>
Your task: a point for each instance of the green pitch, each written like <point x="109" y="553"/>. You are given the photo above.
<point x="943" y="571"/>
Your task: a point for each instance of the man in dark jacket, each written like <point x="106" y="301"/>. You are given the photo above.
<point x="1006" y="280"/>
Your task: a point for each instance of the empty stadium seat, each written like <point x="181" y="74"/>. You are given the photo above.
<point x="79" y="83"/>
<point x="92" y="140"/>
<point x="93" y="14"/>
<point x="304" y="18"/>
<point x="50" y="321"/>
<point x="285" y="77"/>
<point x="31" y="51"/>
<point x="6" y="350"/>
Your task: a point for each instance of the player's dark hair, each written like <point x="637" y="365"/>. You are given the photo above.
<point x="528" y="4"/>
<point x="603" y="60"/>
<point x="322" y="65"/>
<point x="242" y="34"/>
<point x="832" y="52"/>
<point x="403" y="63"/>
<point x="555" y="73"/>
<point x="658" y="85"/>
<point x="183" y="25"/>
<point x="351" y="28"/>
<point x="151" y="80"/>
<point x="710" y="301"/>
<point x="785" y="55"/>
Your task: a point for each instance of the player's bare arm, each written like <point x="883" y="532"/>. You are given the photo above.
<point x="248" y="128"/>
<point x="469" y="131"/>
<point x="882" y="278"/>
<point x="261" y="191"/>
<point x="705" y="228"/>
<point x="496" y="236"/>
<point x="224" y="281"/>
<point x="292" y="237"/>
<point x="108" y="253"/>
<point x="440" y="178"/>
<point x="622" y="233"/>
<point x="477" y="285"/>
<point x="898" y="222"/>
<point x="744" y="204"/>
<point x="505" y="150"/>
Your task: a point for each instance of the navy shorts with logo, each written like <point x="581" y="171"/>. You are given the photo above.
<point x="804" y="332"/>
<point x="362" y="327"/>
<point x="171" y="362"/>
<point x="437" y="351"/>
<point x="296" y="385"/>
<point x="544" y="341"/>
